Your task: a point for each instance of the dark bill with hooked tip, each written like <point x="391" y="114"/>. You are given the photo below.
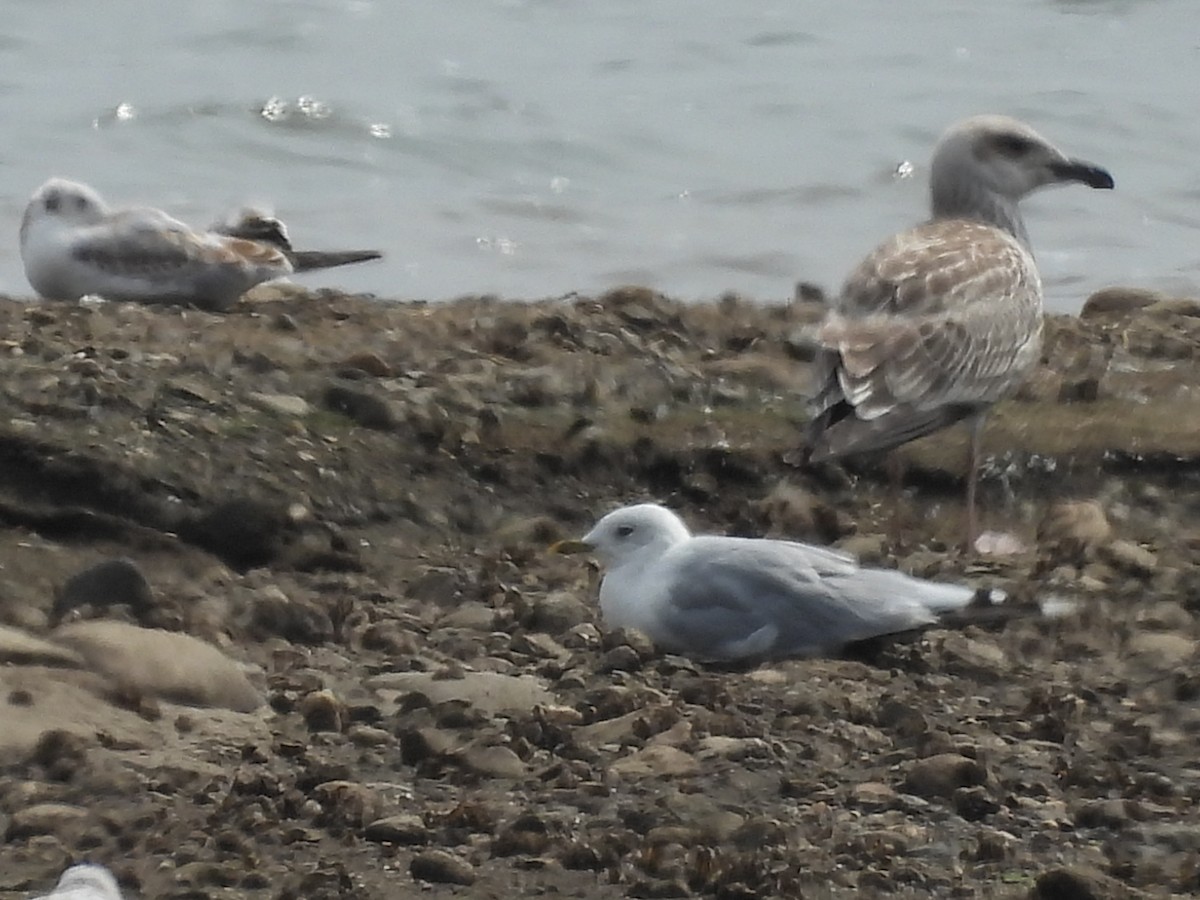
<point x="570" y="547"/>
<point x="1084" y="172"/>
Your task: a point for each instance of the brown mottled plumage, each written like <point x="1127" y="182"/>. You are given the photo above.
<point x="941" y="321"/>
<point x="73" y="245"/>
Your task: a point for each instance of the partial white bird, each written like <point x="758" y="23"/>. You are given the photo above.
<point x="941" y="321"/>
<point x="74" y="245"/>
<point x="726" y="598"/>
<point x="85" y="881"/>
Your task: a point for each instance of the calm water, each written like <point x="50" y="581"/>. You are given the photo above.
<point x="535" y="147"/>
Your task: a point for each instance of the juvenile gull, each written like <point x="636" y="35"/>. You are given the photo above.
<point x="727" y="598"/>
<point x="941" y="321"/>
<point x="73" y="244"/>
<point x="85" y="881"/>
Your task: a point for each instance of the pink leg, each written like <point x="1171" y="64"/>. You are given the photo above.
<point x="895" y="472"/>
<point x="976" y="426"/>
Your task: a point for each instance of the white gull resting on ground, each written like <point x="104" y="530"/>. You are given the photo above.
<point x="85" y="881"/>
<point x="727" y="598"/>
<point x="941" y="321"/>
<point x="73" y="245"/>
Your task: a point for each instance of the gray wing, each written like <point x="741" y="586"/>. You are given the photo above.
<point x="937" y="323"/>
<point x="736" y="598"/>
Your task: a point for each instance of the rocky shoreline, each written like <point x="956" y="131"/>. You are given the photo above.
<point x="278" y="621"/>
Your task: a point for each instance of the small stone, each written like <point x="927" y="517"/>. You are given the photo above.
<point x="1118" y="300"/>
<point x="417" y="744"/>
<point x="361" y="406"/>
<point x="284" y="404"/>
<point x="866" y="548"/>
<point x="558" y="612"/>
<point x="540" y="646"/>
<point x="941" y="775"/>
<point x="405" y="829"/>
<point x="158" y="663"/>
<point x="20" y="648"/>
<point x="657" y="760"/>
<point x="619" y="659"/>
<point x="584" y="636"/>
<point x="43" y="818"/>
<point x="1129" y="557"/>
<point x="633" y="639"/>
<point x="873" y="796"/>
<point x="1162" y="649"/>
<point x="368" y="736"/>
<point x="794" y="513"/>
<point x="1073" y="530"/>
<point x="348" y="803"/>
<point x="441" y="867"/>
<point x="1076" y="884"/>
<point x="496" y="762"/>
<point x="113" y="582"/>
<point x="528" y="835"/>
<point x="974" y="803"/>
<point x="243" y="531"/>
<point x="1107" y="813"/>
<point x="323" y="711"/>
<point x="370" y="363"/>
<point x="470" y="616"/>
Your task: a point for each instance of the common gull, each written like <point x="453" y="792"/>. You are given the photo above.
<point x="73" y="245"/>
<point x="941" y="321"/>
<point x="727" y="599"/>
<point x="85" y="881"/>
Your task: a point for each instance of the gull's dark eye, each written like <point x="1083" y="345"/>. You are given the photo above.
<point x="52" y="201"/>
<point x="624" y="530"/>
<point x="80" y="202"/>
<point x="1013" y="144"/>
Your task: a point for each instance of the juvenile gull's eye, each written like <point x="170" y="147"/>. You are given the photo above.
<point x="52" y="201"/>
<point x="81" y="203"/>
<point x="624" y="530"/>
<point x="1013" y="145"/>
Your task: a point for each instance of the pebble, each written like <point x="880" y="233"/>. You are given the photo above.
<point x="495" y="762"/>
<point x="1130" y="557"/>
<point x="284" y="404"/>
<point x="657" y="760"/>
<point x="158" y="663"/>
<point x="43" y="818"/>
<point x="405" y="829"/>
<point x="942" y="774"/>
<point x="113" y="582"/>
<point x="323" y="711"/>
<point x="348" y="803"/>
<point x="441" y="867"/>
<point x="361" y="406"/>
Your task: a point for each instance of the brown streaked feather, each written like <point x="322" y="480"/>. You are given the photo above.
<point x="945" y="315"/>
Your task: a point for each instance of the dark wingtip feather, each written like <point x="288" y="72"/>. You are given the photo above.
<point x="307" y="260"/>
<point x="851" y="435"/>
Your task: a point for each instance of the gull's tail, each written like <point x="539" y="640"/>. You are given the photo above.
<point x="307" y="260"/>
<point x="257" y="225"/>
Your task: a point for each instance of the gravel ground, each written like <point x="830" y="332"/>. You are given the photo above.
<point x="277" y="617"/>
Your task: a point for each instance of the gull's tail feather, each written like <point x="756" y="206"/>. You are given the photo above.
<point x="307" y="260"/>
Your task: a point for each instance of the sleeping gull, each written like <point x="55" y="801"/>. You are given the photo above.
<point x="941" y="321"/>
<point x="73" y="245"/>
<point x="85" y="881"/>
<point x="728" y="598"/>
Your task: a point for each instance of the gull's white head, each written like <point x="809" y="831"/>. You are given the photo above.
<point x="1004" y="157"/>
<point x="66" y="202"/>
<point x="632" y="530"/>
<point x="90" y="877"/>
